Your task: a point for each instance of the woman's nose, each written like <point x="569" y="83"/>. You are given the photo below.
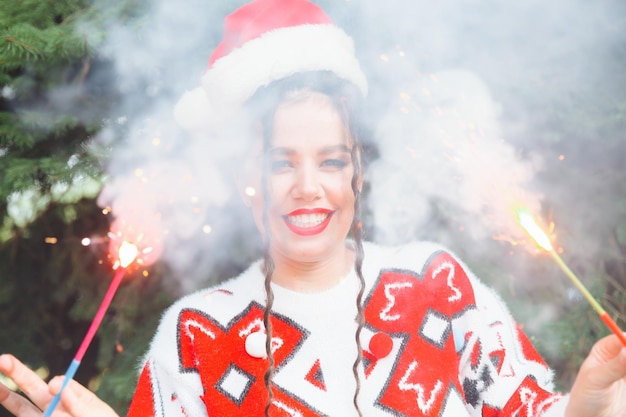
<point x="307" y="185"/>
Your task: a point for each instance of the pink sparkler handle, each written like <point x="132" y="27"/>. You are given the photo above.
<point x="95" y="323"/>
<point x="104" y="305"/>
<point x="613" y="326"/>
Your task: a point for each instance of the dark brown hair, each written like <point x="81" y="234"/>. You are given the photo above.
<point x="345" y="98"/>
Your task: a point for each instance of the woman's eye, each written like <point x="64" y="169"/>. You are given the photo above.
<point x="280" y="165"/>
<point x="334" y="163"/>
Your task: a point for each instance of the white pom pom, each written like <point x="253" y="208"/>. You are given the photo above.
<point x="193" y="111"/>
<point x="255" y="344"/>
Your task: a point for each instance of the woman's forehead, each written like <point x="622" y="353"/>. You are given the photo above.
<point x="312" y="122"/>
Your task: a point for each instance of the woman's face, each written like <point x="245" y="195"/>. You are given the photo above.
<point x="310" y="204"/>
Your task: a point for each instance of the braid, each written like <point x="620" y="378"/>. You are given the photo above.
<point x="357" y="232"/>
<point x="268" y="266"/>
<point x="343" y="104"/>
<point x="268" y="269"/>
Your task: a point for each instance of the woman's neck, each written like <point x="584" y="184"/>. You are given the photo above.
<point x="312" y="276"/>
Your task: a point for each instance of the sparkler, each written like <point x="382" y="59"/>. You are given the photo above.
<point x="526" y="220"/>
<point x="127" y="254"/>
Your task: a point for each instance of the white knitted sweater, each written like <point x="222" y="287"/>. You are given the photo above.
<point x="437" y="342"/>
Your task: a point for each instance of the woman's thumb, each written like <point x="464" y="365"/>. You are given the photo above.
<point x="608" y="356"/>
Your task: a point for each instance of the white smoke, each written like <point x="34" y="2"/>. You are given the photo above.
<point x="441" y="144"/>
<point x="446" y="142"/>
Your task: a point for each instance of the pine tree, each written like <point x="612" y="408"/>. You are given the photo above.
<point x="56" y="91"/>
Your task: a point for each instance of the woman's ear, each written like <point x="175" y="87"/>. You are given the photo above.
<point x="246" y="191"/>
<point x="247" y="194"/>
<point x="246" y="174"/>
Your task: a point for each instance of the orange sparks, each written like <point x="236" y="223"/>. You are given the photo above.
<point x="504" y="238"/>
<point x="145" y="239"/>
<point x="127" y="252"/>
<point x="527" y="221"/>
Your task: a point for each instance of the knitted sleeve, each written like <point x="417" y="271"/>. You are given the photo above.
<point x="500" y="370"/>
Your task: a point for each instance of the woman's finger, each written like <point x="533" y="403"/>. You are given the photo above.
<point x="17" y="404"/>
<point x="26" y="380"/>
<point x="78" y="401"/>
<point x="606" y="348"/>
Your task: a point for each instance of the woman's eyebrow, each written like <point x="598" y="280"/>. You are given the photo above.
<point x="281" y="150"/>
<point x="335" y="148"/>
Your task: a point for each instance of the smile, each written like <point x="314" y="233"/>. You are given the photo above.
<point x="305" y="222"/>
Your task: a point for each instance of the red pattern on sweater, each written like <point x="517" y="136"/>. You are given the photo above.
<point x="421" y="309"/>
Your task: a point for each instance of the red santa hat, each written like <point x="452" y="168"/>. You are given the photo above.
<point x="264" y="41"/>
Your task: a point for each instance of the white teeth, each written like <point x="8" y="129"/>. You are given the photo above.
<point x="307" y="220"/>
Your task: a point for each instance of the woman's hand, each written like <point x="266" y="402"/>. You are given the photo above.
<point x="76" y="400"/>
<point x="600" y="387"/>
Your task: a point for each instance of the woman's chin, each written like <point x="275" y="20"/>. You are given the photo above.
<point x="311" y="249"/>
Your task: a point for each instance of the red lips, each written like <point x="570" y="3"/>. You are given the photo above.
<point x="308" y="216"/>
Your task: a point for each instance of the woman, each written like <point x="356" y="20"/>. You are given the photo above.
<point x="327" y="324"/>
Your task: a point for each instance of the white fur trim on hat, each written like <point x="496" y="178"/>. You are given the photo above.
<point x="276" y="54"/>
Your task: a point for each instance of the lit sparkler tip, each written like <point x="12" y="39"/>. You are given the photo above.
<point x="128" y="252"/>
<point x="527" y="221"/>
